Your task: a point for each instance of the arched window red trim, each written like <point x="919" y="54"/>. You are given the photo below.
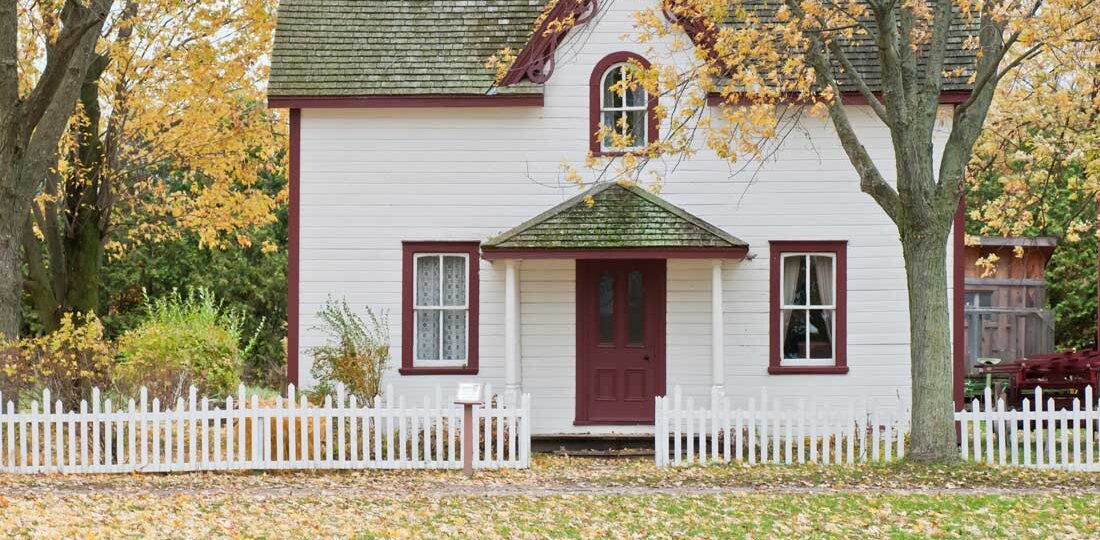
<point x="653" y="133"/>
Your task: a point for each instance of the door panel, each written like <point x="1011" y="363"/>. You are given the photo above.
<point x="620" y="340"/>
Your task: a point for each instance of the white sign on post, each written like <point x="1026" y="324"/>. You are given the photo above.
<point x="468" y="394"/>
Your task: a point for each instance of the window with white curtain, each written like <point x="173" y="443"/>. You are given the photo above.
<point x="441" y="308"/>
<point x="808" y="310"/>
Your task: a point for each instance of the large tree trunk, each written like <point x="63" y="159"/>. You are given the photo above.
<point x="11" y="283"/>
<point x="933" y="433"/>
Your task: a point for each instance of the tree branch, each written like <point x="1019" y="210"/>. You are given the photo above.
<point x="942" y="20"/>
<point x="870" y="179"/>
<point x="850" y="72"/>
<point x="78" y="21"/>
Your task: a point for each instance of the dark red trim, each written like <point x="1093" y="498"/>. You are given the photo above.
<point x="594" y="91"/>
<point x="408" y="325"/>
<point x="425" y="100"/>
<point x="437" y="370"/>
<point x="293" y="246"/>
<point x="739" y="253"/>
<point x="535" y="62"/>
<point x="947" y="97"/>
<point x="807" y="370"/>
<point x="1098" y="275"/>
<point x="777" y="249"/>
<point x="958" y="305"/>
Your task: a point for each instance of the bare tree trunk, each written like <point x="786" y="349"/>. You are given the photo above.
<point x="931" y="365"/>
<point x="11" y="284"/>
<point x="30" y="127"/>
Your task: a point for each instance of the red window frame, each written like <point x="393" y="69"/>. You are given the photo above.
<point x="409" y="249"/>
<point x="839" y="248"/>
<point x="653" y="131"/>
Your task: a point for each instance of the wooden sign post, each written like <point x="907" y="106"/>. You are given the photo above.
<point x="468" y="395"/>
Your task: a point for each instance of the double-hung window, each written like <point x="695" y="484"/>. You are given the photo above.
<point x="440" y="307"/>
<point x="620" y="106"/>
<point x="808" y="307"/>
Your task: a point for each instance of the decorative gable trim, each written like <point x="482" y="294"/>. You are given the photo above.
<point x="535" y="62"/>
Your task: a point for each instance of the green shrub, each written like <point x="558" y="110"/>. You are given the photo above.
<point x="186" y="340"/>
<point x="356" y="353"/>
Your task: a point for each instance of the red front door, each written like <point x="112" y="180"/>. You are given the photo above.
<point x="620" y="340"/>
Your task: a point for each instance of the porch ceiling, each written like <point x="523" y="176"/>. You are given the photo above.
<point x="611" y="220"/>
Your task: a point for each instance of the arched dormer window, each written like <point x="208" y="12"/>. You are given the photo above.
<point x="630" y="113"/>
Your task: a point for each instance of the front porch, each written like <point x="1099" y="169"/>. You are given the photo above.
<point x="609" y="299"/>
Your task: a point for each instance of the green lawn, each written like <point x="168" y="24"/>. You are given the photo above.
<point x="563" y="498"/>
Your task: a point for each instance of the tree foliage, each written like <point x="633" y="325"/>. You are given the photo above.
<point x="1036" y="171"/>
<point x="174" y="95"/>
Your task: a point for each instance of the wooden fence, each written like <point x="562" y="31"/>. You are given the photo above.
<point x="1033" y="436"/>
<point x="767" y="432"/>
<point x="249" y="434"/>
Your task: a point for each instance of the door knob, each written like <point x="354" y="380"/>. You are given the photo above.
<point x="645" y="357"/>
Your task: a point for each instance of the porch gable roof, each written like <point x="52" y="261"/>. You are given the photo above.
<point x="625" y="220"/>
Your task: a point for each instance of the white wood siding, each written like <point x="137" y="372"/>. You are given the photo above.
<point x="371" y="178"/>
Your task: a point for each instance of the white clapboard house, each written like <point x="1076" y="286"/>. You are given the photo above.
<point x="421" y="186"/>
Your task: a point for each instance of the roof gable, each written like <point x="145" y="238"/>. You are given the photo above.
<point x="621" y="217"/>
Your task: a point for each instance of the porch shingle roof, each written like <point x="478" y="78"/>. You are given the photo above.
<point x="621" y="217"/>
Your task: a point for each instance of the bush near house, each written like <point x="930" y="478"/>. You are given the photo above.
<point x="69" y="362"/>
<point x="186" y="340"/>
<point x="356" y="353"/>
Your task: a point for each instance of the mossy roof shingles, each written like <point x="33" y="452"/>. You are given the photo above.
<point x="331" y="48"/>
<point x="621" y="217"/>
<point x="394" y="47"/>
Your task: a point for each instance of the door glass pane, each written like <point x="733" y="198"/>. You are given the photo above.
<point x="821" y="333"/>
<point x="607" y="307"/>
<point x="427" y="281"/>
<point x="427" y="334"/>
<point x="454" y="334"/>
<point x="454" y="281"/>
<point x="794" y="280"/>
<point x="794" y="333"/>
<point x="635" y="308"/>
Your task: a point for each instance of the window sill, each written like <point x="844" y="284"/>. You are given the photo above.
<point x="807" y="370"/>
<point x="438" y="371"/>
<point x="619" y="153"/>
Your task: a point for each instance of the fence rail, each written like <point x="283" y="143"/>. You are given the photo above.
<point x="766" y="432"/>
<point x="243" y="433"/>
<point x="1043" y="437"/>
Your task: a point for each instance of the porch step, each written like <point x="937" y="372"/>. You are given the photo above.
<point x="595" y="446"/>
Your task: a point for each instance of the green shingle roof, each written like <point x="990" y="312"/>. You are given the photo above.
<point x="863" y="52"/>
<point x="395" y="47"/>
<point x="332" y="48"/>
<point x="621" y="217"/>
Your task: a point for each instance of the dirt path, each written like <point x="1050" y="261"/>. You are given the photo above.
<point x="459" y="489"/>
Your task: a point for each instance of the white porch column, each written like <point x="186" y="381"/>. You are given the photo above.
<point x="511" y="328"/>
<point x="717" y="329"/>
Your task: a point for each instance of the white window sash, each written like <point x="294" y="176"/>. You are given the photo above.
<point x="464" y="307"/>
<point x="807" y="308"/>
<point x="605" y="108"/>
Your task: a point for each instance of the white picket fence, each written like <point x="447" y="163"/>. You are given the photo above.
<point x="244" y="434"/>
<point x="772" y="431"/>
<point x="1043" y="437"/>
